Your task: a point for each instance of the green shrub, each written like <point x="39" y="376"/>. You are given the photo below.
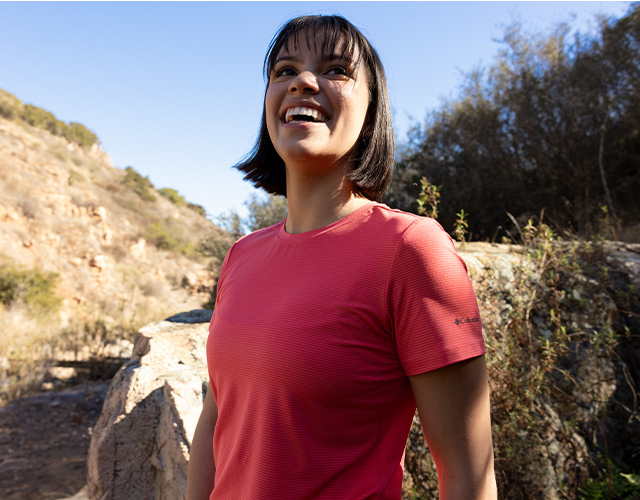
<point x="43" y="119"/>
<point x="33" y="288"/>
<point x="428" y="199"/>
<point x="81" y="135"/>
<point x="173" y="196"/>
<point x="142" y="186"/>
<point x="612" y="484"/>
<point x="12" y="108"/>
<point x="10" y="105"/>
<point x="168" y="235"/>
<point x="197" y="208"/>
<point x="461" y="226"/>
<point x="265" y="211"/>
<point x="6" y="111"/>
<point x="216" y="246"/>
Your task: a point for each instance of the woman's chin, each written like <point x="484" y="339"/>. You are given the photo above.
<point x="304" y="152"/>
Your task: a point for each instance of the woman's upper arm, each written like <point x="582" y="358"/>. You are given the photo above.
<point x="202" y="468"/>
<point x="210" y="407"/>
<point x="453" y="405"/>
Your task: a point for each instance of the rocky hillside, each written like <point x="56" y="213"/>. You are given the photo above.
<point x="107" y="251"/>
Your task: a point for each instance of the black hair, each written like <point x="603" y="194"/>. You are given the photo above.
<point x="373" y="152"/>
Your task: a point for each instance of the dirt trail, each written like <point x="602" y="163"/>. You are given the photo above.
<point x="44" y="441"/>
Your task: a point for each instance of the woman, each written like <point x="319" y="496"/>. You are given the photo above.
<point x="330" y="327"/>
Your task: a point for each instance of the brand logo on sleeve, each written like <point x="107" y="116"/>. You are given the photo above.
<point x="464" y="321"/>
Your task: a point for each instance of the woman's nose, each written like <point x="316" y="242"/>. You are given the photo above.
<point x="304" y="82"/>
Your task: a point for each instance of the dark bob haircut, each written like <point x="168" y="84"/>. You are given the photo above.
<point x="373" y="152"/>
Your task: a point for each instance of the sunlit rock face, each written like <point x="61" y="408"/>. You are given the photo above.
<point x="140" y="445"/>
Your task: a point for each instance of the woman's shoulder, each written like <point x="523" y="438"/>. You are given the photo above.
<point x="255" y="240"/>
<point x="259" y="235"/>
<point x="406" y="226"/>
<point x="417" y="241"/>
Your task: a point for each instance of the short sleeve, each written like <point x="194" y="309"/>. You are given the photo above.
<point x="433" y="309"/>
<point x="224" y="269"/>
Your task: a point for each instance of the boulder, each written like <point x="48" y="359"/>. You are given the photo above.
<point x="140" y="445"/>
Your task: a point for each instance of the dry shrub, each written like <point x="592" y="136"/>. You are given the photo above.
<point x="119" y="251"/>
<point x="26" y="349"/>
<point x="152" y="287"/>
<point x="30" y="207"/>
<point x="552" y="351"/>
<point x="95" y="345"/>
<point x="96" y="341"/>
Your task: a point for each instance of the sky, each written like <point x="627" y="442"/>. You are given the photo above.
<point x="175" y="89"/>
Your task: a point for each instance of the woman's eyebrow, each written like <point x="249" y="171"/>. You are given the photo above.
<point x="287" y="58"/>
<point x="325" y="58"/>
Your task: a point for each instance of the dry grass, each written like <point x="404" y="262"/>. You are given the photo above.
<point x="26" y="350"/>
<point x="93" y="340"/>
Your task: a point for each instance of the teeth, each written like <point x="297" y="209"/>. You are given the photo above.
<point x="303" y="111"/>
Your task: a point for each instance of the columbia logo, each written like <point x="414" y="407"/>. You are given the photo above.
<point x="463" y="321"/>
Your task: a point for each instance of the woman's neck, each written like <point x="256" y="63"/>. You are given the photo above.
<point x="313" y="203"/>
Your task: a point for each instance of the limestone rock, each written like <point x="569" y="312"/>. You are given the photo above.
<point x="9" y="214"/>
<point x="98" y="262"/>
<point x="139" y="249"/>
<point x="199" y="281"/>
<point x="140" y="445"/>
<point x="100" y="213"/>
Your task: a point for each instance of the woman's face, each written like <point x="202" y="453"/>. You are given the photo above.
<point x="315" y="106"/>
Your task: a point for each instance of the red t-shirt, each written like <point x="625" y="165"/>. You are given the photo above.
<point x="311" y="341"/>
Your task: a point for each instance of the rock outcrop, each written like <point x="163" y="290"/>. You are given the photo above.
<point x="140" y="445"/>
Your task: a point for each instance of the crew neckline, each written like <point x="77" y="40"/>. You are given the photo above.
<point x="283" y="235"/>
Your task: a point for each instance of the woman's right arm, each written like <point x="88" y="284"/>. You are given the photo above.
<point x="202" y="468"/>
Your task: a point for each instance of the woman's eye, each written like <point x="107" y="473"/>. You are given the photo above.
<point x="337" y="70"/>
<point x="286" y="71"/>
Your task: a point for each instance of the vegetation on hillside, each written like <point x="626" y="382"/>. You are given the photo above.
<point x="177" y="199"/>
<point x="264" y="211"/>
<point x="13" y="109"/>
<point x="173" y="196"/>
<point x="144" y="188"/>
<point x="31" y="288"/>
<point x="169" y="235"/>
<point x="140" y="185"/>
<point x="554" y="123"/>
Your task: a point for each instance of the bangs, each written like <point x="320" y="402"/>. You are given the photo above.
<point x="328" y="36"/>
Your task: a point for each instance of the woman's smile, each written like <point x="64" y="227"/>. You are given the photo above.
<point x="304" y="114"/>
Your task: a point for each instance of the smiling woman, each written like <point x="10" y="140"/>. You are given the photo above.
<point x="332" y="326"/>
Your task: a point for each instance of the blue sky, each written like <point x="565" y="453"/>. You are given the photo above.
<point x="175" y="89"/>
